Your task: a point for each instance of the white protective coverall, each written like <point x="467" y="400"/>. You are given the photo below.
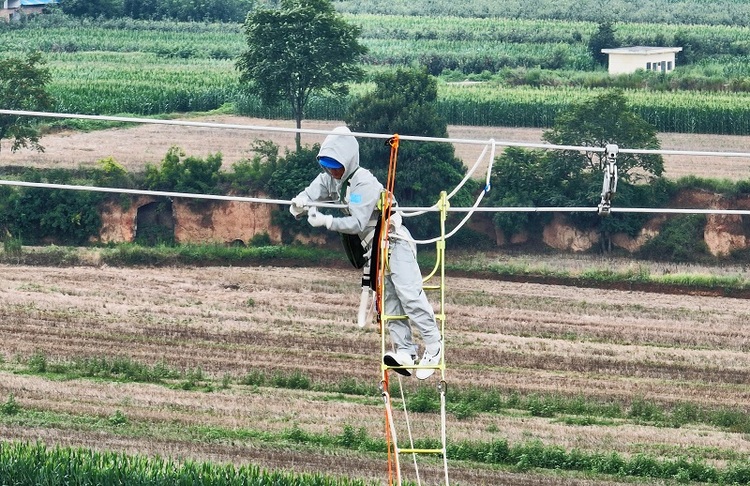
<point x="403" y="285"/>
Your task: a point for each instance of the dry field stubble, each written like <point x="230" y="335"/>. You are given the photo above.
<point x="133" y="147"/>
<point x="611" y="346"/>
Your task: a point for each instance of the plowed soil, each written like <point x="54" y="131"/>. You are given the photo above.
<point x="612" y="346"/>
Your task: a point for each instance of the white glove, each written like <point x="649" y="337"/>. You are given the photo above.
<point x="395" y="221"/>
<point x="298" y="206"/>
<point x="317" y="219"/>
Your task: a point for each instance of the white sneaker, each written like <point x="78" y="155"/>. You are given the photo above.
<point x="400" y="358"/>
<point x="429" y="359"/>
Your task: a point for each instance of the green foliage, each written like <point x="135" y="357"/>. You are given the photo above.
<point x="603" y="38"/>
<point x="37" y="363"/>
<point x="519" y="179"/>
<point x="148" y="67"/>
<point x="189" y="10"/>
<point x="188" y="174"/>
<point x="253" y="176"/>
<point x="602" y="120"/>
<point x="679" y="240"/>
<point x="296" y="380"/>
<point x="260" y="239"/>
<point x="301" y="48"/>
<point x="23" y="84"/>
<point x="118" y="419"/>
<point x="92" y="8"/>
<point x="110" y="173"/>
<point x="719" y="12"/>
<point x="293" y="173"/>
<point x="61" y="216"/>
<point x="403" y="102"/>
<point x="12" y="245"/>
<point x="423" y="400"/>
<point x="11" y="406"/>
<point x="36" y="463"/>
<point x="536" y="178"/>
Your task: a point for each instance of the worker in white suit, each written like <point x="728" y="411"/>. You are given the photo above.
<point x="344" y="181"/>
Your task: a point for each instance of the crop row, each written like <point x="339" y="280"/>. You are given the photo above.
<point x="136" y="83"/>
<point x="25" y="464"/>
<point x="718" y="12"/>
<point x="399" y="33"/>
<point x="146" y="71"/>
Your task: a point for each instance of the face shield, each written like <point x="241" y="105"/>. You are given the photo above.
<point x="333" y="167"/>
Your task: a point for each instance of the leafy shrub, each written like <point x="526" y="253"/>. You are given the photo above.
<point x="680" y="240"/>
<point x="11" y="406"/>
<point x="252" y="176"/>
<point x="118" y="418"/>
<point x="185" y="174"/>
<point x="61" y="216"/>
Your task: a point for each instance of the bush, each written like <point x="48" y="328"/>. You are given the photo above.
<point x="680" y="240"/>
<point x="190" y="174"/>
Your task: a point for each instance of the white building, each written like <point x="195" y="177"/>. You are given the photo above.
<point x="12" y="4"/>
<point x="625" y="60"/>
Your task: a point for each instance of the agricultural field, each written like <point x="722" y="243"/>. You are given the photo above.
<point x="265" y="365"/>
<point x="153" y="68"/>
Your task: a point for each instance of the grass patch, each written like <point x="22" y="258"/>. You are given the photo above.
<point x="591" y="271"/>
<point x="463" y="403"/>
<point x="521" y="456"/>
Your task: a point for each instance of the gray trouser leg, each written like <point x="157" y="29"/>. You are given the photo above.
<point x="404" y="296"/>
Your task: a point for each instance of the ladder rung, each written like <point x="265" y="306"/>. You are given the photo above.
<point x="420" y="451"/>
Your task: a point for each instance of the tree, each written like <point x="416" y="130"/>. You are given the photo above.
<point x="23" y="87"/>
<point x="574" y="178"/>
<point x="607" y="119"/>
<point x="403" y="102"/>
<point x="93" y="9"/>
<point x="294" y="51"/>
<point x="603" y="38"/>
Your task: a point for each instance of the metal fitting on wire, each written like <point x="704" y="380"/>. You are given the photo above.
<point x="609" y="184"/>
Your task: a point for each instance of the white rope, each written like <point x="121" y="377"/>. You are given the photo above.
<point x="503" y="143"/>
<point x="408" y="430"/>
<point x="443" y="427"/>
<point x="472" y="209"/>
<point x="468" y="175"/>
<point x="406" y="211"/>
<point x="141" y="192"/>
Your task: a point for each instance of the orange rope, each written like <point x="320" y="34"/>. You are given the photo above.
<point x="385" y="221"/>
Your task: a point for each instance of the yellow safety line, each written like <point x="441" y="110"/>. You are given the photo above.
<point x="420" y="451"/>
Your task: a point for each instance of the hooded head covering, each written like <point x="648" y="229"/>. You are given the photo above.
<point x="343" y="148"/>
<point x="330" y="163"/>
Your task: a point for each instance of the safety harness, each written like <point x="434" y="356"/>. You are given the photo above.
<point x="362" y="253"/>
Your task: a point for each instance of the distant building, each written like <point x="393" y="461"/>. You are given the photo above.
<point x="12" y="8"/>
<point x="625" y="60"/>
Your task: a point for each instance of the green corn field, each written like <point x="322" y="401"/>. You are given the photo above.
<point x="34" y="464"/>
<point x="149" y="68"/>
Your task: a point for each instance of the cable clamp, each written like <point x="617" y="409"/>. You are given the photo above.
<point x="609" y="184"/>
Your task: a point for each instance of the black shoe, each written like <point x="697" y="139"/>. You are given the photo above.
<point x="398" y="359"/>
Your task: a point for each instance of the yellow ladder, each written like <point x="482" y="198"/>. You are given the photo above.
<point x="394" y="451"/>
